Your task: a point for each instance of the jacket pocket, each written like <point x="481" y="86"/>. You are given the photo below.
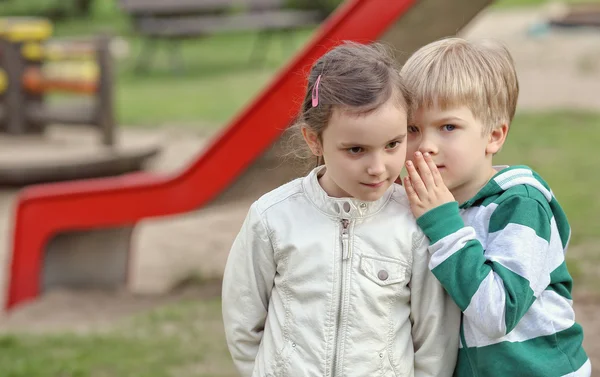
<point x="282" y="358"/>
<point x="383" y="270"/>
<point x="385" y="367"/>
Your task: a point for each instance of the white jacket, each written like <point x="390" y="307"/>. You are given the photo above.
<point x="321" y="286"/>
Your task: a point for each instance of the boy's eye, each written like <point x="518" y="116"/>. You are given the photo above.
<point x="412" y="129"/>
<point x="355" y="150"/>
<point x="392" y="145"/>
<point x="448" y="127"/>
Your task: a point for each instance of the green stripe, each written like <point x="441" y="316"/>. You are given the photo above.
<point x="519" y="295"/>
<point x="561" y="290"/>
<point x="441" y="221"/>
<point x="562" y="223"/>
<point x="462" y="273"/>
<point x="466" y="360"/>
<point x="487" y="201"/>
<point x="490" y="189"/>
<point x="561" y="281"/>
<point x="549" y="356"/>
<point x="524" y="211"/>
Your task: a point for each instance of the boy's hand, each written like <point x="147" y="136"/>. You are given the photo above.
<point x="425" y="188"/>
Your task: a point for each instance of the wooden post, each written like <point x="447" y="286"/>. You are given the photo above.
<point x="105" y="117"/>
<point x="14" y="99"/>
<point x="32" y="61"/>
<point x="18" y="35"/>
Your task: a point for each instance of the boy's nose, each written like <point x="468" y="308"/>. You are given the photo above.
<point x="427" y="146"/>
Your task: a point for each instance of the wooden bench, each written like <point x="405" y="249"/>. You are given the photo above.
<point x="175" y="20"/>
<point x="34" y="66"/>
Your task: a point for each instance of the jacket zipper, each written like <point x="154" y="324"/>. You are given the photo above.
<point x="341" y="323"/>
<point x="346" y="253"/>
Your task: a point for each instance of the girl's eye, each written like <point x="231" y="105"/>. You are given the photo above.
<point x="392" y="145"/>
<point x="448" y="127"/>
<point x="354" y="150"/>
<point x="412" y="129"/>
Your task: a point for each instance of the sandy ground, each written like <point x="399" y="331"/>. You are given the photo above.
<point x="556" y="70"/>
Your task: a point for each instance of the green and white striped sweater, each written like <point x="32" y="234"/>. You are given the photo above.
<point x="501" y="257"/>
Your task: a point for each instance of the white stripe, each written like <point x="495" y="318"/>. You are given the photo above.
<point x="509" y="174"/>
<point x="485" y="313"/>
<point x="549" y="314"/>
<point x="479" y="219"/>
<point x="556" y="253"/>
<point x="519" y="249"/>
<point x="449" y="245"/>
<point x="584" y="371"/>
<point x="521" y="177"/>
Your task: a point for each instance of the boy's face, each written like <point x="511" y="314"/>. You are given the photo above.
<point x="458" y="145"/>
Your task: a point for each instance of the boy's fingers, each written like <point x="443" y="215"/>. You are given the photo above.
<point x="415" y="180"/>
<point x="435" y="173"/>
<point x="424" y="170"/>
<point x="410" y="191"/>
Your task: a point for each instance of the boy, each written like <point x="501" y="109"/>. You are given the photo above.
<point x="500" y="253"/>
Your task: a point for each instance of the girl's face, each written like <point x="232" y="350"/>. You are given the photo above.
<point x="363" y="154"/>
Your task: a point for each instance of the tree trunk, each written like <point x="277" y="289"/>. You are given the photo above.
<point x="82" y="7"/>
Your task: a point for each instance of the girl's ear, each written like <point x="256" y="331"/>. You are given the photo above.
<point x="496" y="139"/>
<point x="312" y="139"/>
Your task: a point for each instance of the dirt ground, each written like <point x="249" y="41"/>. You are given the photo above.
<point x="556" y="70"/>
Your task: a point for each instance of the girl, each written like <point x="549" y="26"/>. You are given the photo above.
<point x="328" y="275"/>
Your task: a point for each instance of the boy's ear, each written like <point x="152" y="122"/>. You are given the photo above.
<point x="312" y="139"/>
<point x="496" y="139"/>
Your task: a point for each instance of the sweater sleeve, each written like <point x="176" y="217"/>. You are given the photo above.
<point x="494" y="287"/>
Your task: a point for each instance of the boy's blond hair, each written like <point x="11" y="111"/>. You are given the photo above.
<point x="454" y="72"/>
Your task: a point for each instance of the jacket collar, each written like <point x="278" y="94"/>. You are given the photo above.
<point x="340" y="207"/>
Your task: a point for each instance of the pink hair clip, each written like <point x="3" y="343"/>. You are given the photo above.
<point x="315" y="93"/>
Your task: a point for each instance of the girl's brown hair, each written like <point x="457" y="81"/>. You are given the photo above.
<point x="356" y="78"/>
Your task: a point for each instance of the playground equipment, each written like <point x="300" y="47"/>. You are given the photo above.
<point x="75" y="214"/>
<point x="183" y="19"/>
<point x="578" y="15"/>
<point x="32" y="67"/>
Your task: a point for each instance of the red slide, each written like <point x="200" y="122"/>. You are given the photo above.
<point x="46" y="210"/>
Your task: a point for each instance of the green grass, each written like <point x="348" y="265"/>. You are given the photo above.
<point x="558" y="145"/>
<point x="183" y="340"/>
<point x="218" y="81"/>
<point x="561" y="146"/>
